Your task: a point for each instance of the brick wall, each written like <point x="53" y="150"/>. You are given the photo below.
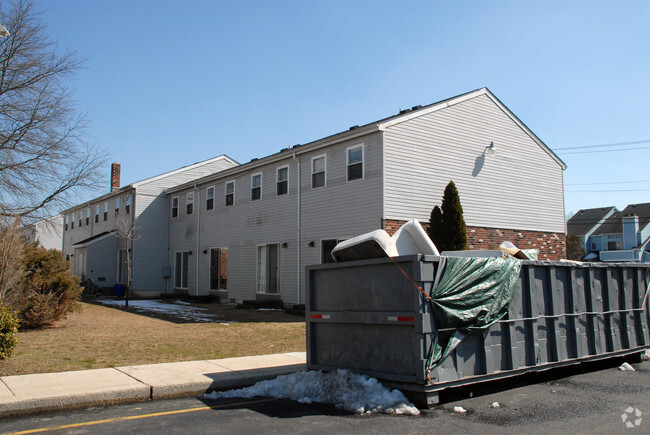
<point x="551" y="246"/>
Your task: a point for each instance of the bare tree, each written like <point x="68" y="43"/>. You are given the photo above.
<point x="126" y="232"/>
<point x="44" y="157"/>
<point x="11" y="259"/>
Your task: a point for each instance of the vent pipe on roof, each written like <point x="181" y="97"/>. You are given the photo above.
<point x="115" y="176"/>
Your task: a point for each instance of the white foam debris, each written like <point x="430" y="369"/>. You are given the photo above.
<point x="495" y="405"/>
<point x="626" y="367"/>
<point x="459" y="410"/>
<point x="342" y="388"/>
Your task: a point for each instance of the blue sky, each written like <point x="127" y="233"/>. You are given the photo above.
<point x="170" y="83"/>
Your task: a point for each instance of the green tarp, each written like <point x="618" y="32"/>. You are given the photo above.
<point x="470" y="295"/>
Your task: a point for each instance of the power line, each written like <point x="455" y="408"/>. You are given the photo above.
<point x="612" y="190"/>
<point x="603" y="151"/>
<point x="636" y="142"/>
<point x="607" y="182"/>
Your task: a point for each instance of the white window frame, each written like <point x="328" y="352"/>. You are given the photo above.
<point x="208" y="197"/>
<point x="177" y="200"/>
<point x="122" y="257"/>
<point x="97" y="213"/>
<point x="258" y="174"/>
<point x="87" y="216"/>
<point x="261" y="287"/>
<point x="229" y="183"/>
<point x="324" y="157"/>
<point x="189" y="200"/>
<point x="184" y="275"/>
<point x="221" y="249"/>
<point x="106" y="210"/>
<point x="81" y="218"/>
<point x="127" y="203"/>
<point x="278" y="181"/>
<point x="347" y="161"/>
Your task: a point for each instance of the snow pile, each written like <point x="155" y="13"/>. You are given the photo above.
<point x="350" y="391"/>
<point x="180" y="310"/>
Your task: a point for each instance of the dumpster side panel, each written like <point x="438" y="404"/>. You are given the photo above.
<point x="369" y="317"/>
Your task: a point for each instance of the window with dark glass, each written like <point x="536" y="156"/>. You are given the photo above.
<point x="355" y="163"/>
<point x="318" y="172"/>
<point x="230" y="193"/>
<point x="209" y="198"/>
<point x="283" y="181"/>
<point x="189" y="202"/>
<point x="256" y="187"/>
<point x="175" y="206"/>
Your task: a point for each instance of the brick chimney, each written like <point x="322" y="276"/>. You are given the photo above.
<point x="115" y="176"/>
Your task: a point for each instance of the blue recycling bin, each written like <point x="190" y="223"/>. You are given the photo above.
<point x="119" y="290"/>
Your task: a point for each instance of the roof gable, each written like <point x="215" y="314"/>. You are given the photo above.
<point x="417" y="112"/>
<point x="587" y="220"/>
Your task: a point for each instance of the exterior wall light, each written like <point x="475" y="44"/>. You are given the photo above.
<point x="489" y="150"/>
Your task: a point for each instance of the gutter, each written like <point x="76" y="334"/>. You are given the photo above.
<point x="298" y="229"/>
<point x="197" y="204"/>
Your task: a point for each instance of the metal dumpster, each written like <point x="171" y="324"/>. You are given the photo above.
<point x="370" y="317"/>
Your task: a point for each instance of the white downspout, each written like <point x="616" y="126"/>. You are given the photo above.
<point x="299" y="230"/>
<point x="197" y="204"/>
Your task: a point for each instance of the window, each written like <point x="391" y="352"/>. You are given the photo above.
<point x="209" y="198"/>
<point x="256" y="187"/>
<point x="326" y="250"/>
<point x="230" y="193"/>
<point x="267" y="268"/>
<point x="67" y="220"/>
<point x="318" y="172"/>
<point x="181" y="262"/>
<point x="105" y="210"/>
<point x="614" y="245"/>
<point x="189" y="202"/>
<point x="117" y="207"/>
<point x="127" y="202"/>
<point x="355" y="163"/>
<point x="282" y="181"/>
<point x="72" y="223"/>
<point x="175" y="206"/>
<point x="593" y="246"/>
<point x="96" y="213"/>
<point x="81" y="216"/>
<point x="121" y="266"/>
<point x="87" y="216"/>
<point x="219" y="269"/>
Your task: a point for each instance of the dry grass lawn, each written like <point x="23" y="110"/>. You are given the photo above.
<point x="98" y="337"/>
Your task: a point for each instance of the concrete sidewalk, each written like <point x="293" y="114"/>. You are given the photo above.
<point x="46" y="391"/>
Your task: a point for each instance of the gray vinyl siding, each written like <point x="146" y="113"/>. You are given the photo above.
<point x="150" y="206"/>
<point x="520" y="187"/>
<point x="101" y="261"/>
<point x="341" y="209"/>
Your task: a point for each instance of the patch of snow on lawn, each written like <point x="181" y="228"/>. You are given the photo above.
<point x="184" y="312"/>
<point x="342" y="388"/>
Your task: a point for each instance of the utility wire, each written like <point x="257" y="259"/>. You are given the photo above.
<point x="607" y="182"/>
<point x="603" y="151"/>
<point x="636" y="142"/>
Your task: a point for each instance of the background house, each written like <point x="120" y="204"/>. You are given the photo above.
<point x="585" y="222"/>
<point x="47" y="232"/>
<point x="247" y="233"/>
<point x="91" y="231"/>
<point x="616" y="236"/>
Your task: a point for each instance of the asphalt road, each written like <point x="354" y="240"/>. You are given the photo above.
<point x="589" y="399"/>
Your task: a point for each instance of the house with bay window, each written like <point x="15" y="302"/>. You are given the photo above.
<point x="248" y="231"/>
<point x="93" y="232"/>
